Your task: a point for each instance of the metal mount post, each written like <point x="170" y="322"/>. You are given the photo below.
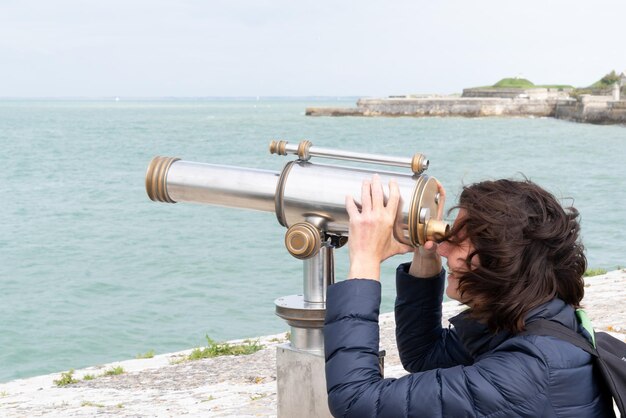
<point x="300" y="376"/>
<point x="305" y="313"/>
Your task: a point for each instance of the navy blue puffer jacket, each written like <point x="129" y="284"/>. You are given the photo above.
<point x="463" y="371"/>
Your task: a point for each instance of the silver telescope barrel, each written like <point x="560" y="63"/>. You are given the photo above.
<point x="305" y="150"/>
<point x="172" y="180"/>
<point x="303" y="193"/>
<point x="318" y="192"/>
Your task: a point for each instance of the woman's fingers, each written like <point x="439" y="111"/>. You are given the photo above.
<point x="377" y="193"/>
<point x="351" y="207"/>
<point x="371" y="228"/>
<point x="394" y="197"/>
<point x="430" y="246"/>
<point x="366" y="196"/>
<point x="373" y="197"/>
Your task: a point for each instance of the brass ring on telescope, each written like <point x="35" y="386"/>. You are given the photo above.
<point x="280" y="191"/>
<point x="278" y="147"/>
<point x="151" y="179"/>
<point x="414" y="211"/>
<point x="303" y="150"/>
<point x="162" y="183"/>
<point x="425" y="197"/>
<point x="156" y="179"/>
<point x="149" y="189"/>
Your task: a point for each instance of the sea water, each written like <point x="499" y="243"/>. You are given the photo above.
<point x="92" y="271"/>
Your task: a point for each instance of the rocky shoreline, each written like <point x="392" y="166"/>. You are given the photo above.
<point x="229" y="386"/>
<point x="602" y="110"/>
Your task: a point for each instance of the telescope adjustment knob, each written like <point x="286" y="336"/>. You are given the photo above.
<point x="419" y="163"/>
<point x="303" y="240"/>
<point x="278" y="147"/>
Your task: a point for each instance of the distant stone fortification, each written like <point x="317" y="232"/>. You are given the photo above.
<point x="589" y="109"/>
<point x="458" y="106"/>
<point x="539" y="93"/>
<point x="538" y="102"/>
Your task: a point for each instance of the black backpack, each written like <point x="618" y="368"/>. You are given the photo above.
<point x="609" y="354"/>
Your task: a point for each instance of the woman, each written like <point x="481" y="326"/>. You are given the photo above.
<point x="513" y="256"/>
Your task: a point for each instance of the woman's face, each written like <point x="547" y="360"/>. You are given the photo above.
<point x="456" y="254"/>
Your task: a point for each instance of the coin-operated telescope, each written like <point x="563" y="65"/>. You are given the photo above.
<point x="309" y="200"/>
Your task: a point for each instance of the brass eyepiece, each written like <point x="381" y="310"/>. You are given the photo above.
<point x="156" y="179"/>
<point x="437" y="230"/>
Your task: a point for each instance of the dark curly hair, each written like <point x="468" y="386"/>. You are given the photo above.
<point x="528" y="247"/>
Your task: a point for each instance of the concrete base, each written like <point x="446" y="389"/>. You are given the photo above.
<point x="301" y="384"/>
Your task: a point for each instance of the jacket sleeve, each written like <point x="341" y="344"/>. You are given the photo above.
<point x="504" y="384"/>
<point x="423" y="344"/>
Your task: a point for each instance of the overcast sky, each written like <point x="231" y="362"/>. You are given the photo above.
<point x="159" y="48"/>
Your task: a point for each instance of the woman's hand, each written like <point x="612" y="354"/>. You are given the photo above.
<point x="426" y="262"/>
<point x="371" y="229"/>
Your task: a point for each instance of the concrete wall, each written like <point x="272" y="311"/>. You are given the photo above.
<point x="617" y="112"/>
<point x="588" y="99"/>
<point x="539" y="93"/>
<point x="602" y="112"/>
<point x="468" y="107"/>
<point x="590" y="109"/>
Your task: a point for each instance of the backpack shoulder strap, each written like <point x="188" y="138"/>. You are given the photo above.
<point x="554" y="329"/>
<point x="583" y="319"/>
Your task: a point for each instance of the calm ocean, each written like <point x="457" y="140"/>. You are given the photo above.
<point x="92" y="271"/>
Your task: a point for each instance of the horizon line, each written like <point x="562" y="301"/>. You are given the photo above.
<point x="121" y="98"/>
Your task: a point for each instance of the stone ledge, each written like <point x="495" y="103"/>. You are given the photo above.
<point x="243" y="386"/>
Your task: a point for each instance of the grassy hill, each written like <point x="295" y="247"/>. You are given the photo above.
<point x="606" y="81"/>
<point x="522" y="83"/>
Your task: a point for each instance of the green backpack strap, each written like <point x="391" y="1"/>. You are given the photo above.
<point x="586" y="323"/>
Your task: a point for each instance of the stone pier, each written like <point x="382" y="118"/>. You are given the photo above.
<point x="601" y="110"/>
<point x="443" y="106"/>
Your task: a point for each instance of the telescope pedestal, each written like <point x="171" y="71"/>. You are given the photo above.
<point x="301" y="384"/>
<point x="300" y="375"/>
